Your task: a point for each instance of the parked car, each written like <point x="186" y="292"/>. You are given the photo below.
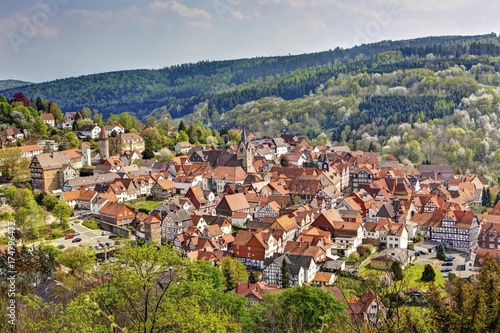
<point x="61" y="246"/>
<point x="76" y="233"/>
<point x="113" y="236"/>
<point x="108" y="244"/>
<point x="444" y="270"/>
<point x="450" y="258"/>
<point x="422" y="252"/>
<point x="76" y="240"/>
<point x="447" y="263"/>
<point x="417" y="254"/>
<point x="69" y="236"/>
<point x="104" y="233"/>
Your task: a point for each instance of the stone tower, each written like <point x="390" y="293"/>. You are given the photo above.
<point x="104" y="143"/>
<point x="245" y="153"/>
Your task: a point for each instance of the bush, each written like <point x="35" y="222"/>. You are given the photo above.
<point x="56" y="234"/>
<point x="91" y="224"/>
<point x="353" y="257"/>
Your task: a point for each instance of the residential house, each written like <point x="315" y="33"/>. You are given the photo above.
<point x="30" y="151"/>
<point x="93" y="131"/>
<point x="254" y="292"/>
<point x="222" y="222"/>
<point x="115" y="127"/>
<point x="302" y="269"/>
<point x="252" y="248"/>
<point x="175" y="223"/>
<point x="48" y="118"/>
<point x="386" y="257"/>
<point x="280" y="147"/>
<point x="131" y="142"/>
<point x="11" y="135"/>
<point x="182" y="147"/>
<point x="270" y="209"/>
<point x="363" y="174"/>
<point x="368" y="308"/>
<point x="323" y="279"/>
<point x="68" y="120"/>
<point x="436" y="172"/>
<point x="232" y="204"/>
<point x="45" y="169"/>
<point x="117" y="214"/>
<point x="82" y="199"/>
<point x="287" y="226"/>
<point x="163" y="190"/>
<point x="220" y="176"/>
<point x="455" y="229"/>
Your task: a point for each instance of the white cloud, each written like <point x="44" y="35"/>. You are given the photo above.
<point x="90" y="17"/>
<point x="237" y="15"/>
<point x="186" y="12"/>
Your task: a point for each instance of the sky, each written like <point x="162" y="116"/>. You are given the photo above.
<point x="42" y="40"/>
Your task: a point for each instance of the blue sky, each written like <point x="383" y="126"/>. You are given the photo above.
<point x="43" y="40"/>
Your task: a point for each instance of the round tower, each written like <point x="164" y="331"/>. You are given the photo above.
<point x="104" y="143"/>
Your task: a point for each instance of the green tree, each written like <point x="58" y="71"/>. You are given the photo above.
<point x="486" y="197"/>
<point x="86" y="113"/>
<point x="284" y="161"/>
<point x="49" y="201"/>
<point x="78" y="259"/>
<point x="148" y="155"/>
<point x="497" y="198"/>
<point x="182" y="126"/>
<point x="13" y="165"/>
<point x="73" y="140"/>
<point x="441" y="255"/>
<point x="397" y="272"/>
<point x="63" y="212"/>
<point x="428" y="274"/>
<point x="40" y="127"/>
<point x="285" y="274"/>
<point x="23" y="197"/>
<point x="182" y="137"/>
<point x="233" y="272"/>
<point x="299" y="309"/>
<point x="56" y="112"/>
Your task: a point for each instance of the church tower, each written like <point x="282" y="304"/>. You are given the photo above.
<point x="104" y="143"/>
<point x="245" y="153"/>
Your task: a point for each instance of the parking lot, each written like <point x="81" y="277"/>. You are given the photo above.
<point x="89" y="237"/>
<point x="458" y="264"/>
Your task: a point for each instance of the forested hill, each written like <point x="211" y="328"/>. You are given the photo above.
<point x="220" y="86"/>
<point x="8" y="84"/>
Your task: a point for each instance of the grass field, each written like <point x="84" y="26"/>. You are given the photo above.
<point x="412" y="276"/>
<point x="148" y="205"/>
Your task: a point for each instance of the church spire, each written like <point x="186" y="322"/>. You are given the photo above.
<point x="244" y="137"/>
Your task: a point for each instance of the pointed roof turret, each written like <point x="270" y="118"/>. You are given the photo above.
<point x="244" y="137"/>
<point x="104" y="134"/>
